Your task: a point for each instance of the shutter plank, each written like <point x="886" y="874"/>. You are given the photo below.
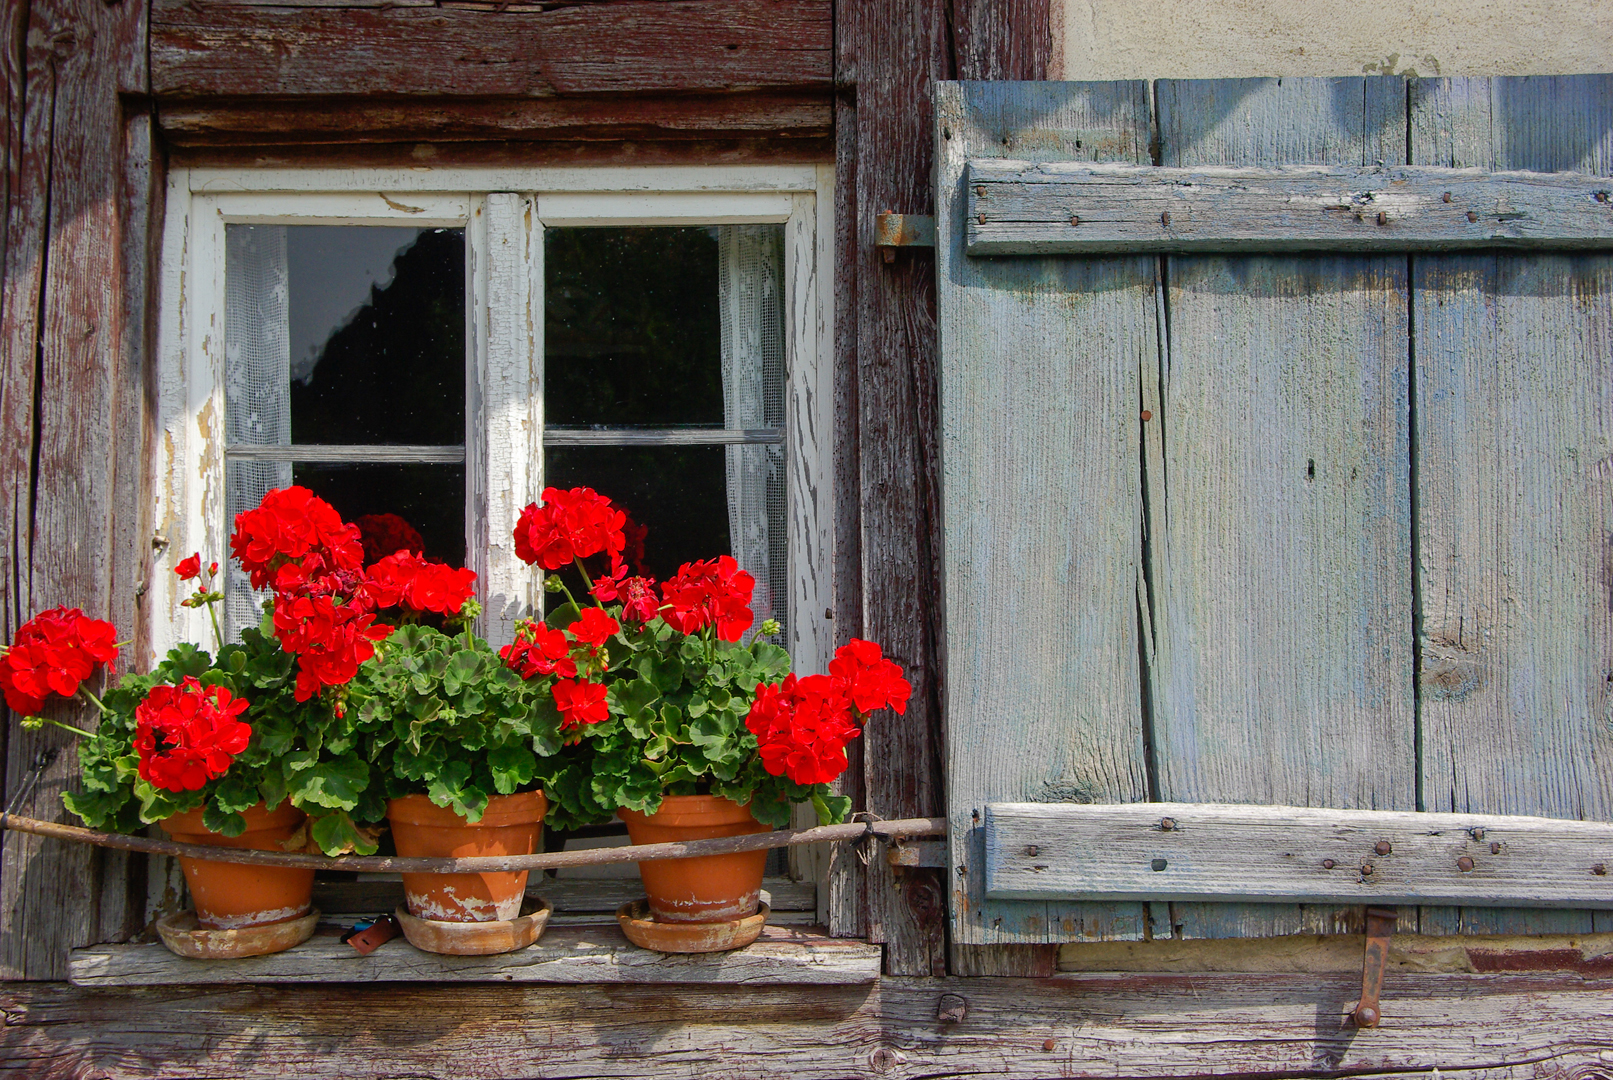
<point x="1514" y="413"/>
<point x="1039" y="395"/>
<point x="1278" y="495"/>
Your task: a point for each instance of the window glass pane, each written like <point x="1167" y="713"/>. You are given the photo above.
<point x="344" y="334"/>
<point x="429" y="498"/>
<point x="631" y="329"/>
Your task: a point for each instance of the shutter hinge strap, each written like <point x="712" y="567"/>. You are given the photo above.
<point x="892" y="231"/>
<point x="1380" y="928"/>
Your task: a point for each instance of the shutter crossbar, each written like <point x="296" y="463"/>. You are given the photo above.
<point x="1016" y="208"/>
<point x="1283" y="854"/>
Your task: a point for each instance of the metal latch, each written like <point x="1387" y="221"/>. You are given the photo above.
<point x="892" y="231"/>
<point x="916" y="853"/>
<point x="1381" y="924"/>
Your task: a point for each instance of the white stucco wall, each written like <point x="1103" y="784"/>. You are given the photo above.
<point x="1130" y="39"/>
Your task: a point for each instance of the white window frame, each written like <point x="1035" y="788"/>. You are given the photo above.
<point x="503" y="212"/>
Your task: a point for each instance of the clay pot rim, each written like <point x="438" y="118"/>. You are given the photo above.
<point x="258" y="818"/>
<point x="502" y="810"/>
<point x="686" y="811"/>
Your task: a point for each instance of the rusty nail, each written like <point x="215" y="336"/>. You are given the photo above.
<point x="1477" y="834"/>
<point x="1382" y="847"/>
<point x="1601" y="196"/>
<point x="1600" y="869"/>
<point x="1464" y="864"/>
<point x="1366" y="869"/>
<point x="982" y="219"/>
<point x="1158" y="865"/>
<point x="1047" y="1045"/>
<point x="1165" y="218"/>
<point x="1383" y="218"/>
<point x="888" y="254"/>
<point x="1495" y="848"/>
<point x="1447" y="197"/>
<point x="1471" y="216"/>
<point x="1167" y="824"/>
<point x="1328" y="864"/>
<point x="1032" y="849"/>
<point x="952" y="1008"/>
<point x="1074" y="220"/>
<point x="980" y="189"/>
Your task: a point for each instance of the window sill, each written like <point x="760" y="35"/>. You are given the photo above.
<point x="579" y="946"/>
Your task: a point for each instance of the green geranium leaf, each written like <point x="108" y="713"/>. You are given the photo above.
<point x="221" y="821"/>
<point x="337" y="835"/>
<point x="453" y="788"/>
<point x="336" y="784"/>
<point x="512" y="766"/>
<point x="235" y="793"/>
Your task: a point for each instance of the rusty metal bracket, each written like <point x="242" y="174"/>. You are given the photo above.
<point x="1381" y="924"/>
<point x="892" y="231"/>
<point x="916" y="852"/>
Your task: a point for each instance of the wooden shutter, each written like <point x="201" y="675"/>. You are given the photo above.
<point x="1314" y="529"/>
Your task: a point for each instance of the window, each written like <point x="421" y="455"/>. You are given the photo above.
<point x="443" y="344"/>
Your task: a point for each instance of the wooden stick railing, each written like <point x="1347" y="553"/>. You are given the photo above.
<point x="881" y="830"/>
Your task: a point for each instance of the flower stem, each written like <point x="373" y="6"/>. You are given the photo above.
<point x="588" y="581"/>
<point x="97" y="702"/>
<point x="36" y="721"/>
<point x="218" y="636"/>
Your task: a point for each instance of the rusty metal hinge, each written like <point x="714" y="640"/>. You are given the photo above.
<point x="892" y="231"/>
<point x="1380" y="928"/>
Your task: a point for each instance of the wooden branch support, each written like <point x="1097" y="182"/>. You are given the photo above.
<point x="882" y="830"/>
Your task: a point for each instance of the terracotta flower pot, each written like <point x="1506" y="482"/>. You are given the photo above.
<point x="232" y="896"/>
<point x="509" y="826"/>
<point x="704" y="888"/>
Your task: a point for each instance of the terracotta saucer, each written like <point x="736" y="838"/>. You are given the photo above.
<point x="688" y="937"/>
<point x="477" y="938"/>
<point x="181" y="933"/>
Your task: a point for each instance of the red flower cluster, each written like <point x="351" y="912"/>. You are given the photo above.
<point x="569" y="525"/>
<point x="538" y="650"/>
<point x="387" y="534"/>
<point x="53" y="653"/>
<point x="416" y="583"/>
<point x="593" y="628"/>
<point x="188" y="734"/>
<point x="329" y="639"/>
<point x="288" y="525"/>
<point x="802" y="726"/>
<point x="580" y="703"/>
<point x="713" y="592"/>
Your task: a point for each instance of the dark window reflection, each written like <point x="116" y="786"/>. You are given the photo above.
<point x="429" y="498"/>
<point x="377" y="334"/>
<point x="631" y="330"/>
<point x="676" y="495"/>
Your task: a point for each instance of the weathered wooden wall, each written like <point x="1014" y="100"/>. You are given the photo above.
<point x="888" y="55"/>
<point x="1464" y="1026"/>
<point x="79" y="166"/>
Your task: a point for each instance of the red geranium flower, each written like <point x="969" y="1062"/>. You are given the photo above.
<point x="330" y="640"/>
<point x="867" y="679"/>
<point x="639" y="601"/>
<point x="387" y="534"/>
<point x="419" y="584"/>
<point x="54" y="652"/>
<point x="286" y="526"/>
<point x="187" y="735"/>
<point x="569" y="525"/>
<point x="580" y="703"/>
<point x="189" y="568"/>
<point x="593" y="628"/>
<point x="539" y="650"/>
<point x="714" y="592"/>
<point x="802" y="728"/>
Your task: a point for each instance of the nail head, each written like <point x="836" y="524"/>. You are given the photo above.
<point x="1328" y="864"/>
<point x="1167" y="824"/>
<point x="1464" y="864"/>
<point x="1074" y="220"/>
<point x="1495" y="848"/>
<point x="1047" y="1046"/>
<point x="1383" y="847"/>
<point x="1366" y="869"/>
<point x="1158" y="865"/>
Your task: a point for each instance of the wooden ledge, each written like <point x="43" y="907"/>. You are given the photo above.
<point x="566" y="954"/>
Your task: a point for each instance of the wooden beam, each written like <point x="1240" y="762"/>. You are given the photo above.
<point x="1016" y="208"/>
<point x="630" y="46"/>
<point x="565" y="954"/>
<point x="1285" y="854"/>
<point x="790" y="115"/>
<point x="1469" y="1026"/>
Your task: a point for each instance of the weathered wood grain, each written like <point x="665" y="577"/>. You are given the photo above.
<point x="1039" y="395"/>
<point x="1063" y="209"/>
<point x="1470" y="1027"/>
<point x="564" y="954"/>
<point x="1514" y="407"/>
<point x="781" y="116"/>
<point x="1286" y="854"/>
<point x="900" y="48"/>
<point x="1278" y="495"/>
<point x="632" y="46"/>
<point x="72" y="402"/>
<point x="748" y="150"/>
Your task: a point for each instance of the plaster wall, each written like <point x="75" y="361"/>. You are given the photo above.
<point x="1209" y="39"/>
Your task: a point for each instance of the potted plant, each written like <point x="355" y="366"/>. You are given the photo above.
<point x="674" y="718"/>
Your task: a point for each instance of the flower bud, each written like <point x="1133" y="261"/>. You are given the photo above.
<point x="770" y="627"/>
<point x="552" y="584"/>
